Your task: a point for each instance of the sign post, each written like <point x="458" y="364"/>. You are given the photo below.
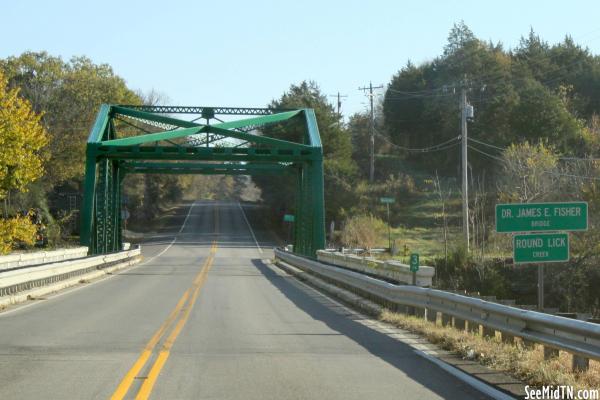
<point x="414" y="267"/>
<point x="289" y="218"/>
<point x="526" y="219"/>
<point x="387" y="201"/>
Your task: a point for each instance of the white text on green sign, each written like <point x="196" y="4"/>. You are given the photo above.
<point x="388" y="200"/>
<point x="414" y="262"/>
<point x="541" y="247"/>
<point x="539" y="217"/>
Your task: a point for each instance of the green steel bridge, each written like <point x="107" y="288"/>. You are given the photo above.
<point x="129" y="139"/>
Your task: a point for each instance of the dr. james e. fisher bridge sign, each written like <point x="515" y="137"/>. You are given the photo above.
<point x="537" y="217"/>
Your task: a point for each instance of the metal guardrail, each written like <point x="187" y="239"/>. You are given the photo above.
<point x="577" y="337"/>
<point x="15" y="281"/>
<point x="390" y="270"/>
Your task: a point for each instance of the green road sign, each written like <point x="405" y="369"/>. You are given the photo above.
<point x="414" y="262"/>
<point x="541" y="248"/>
<point x="288" y="218"/>
<point x="387" y="200"/>
<point x="536" y="217"/>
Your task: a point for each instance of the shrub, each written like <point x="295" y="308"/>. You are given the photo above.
<point x="16" y="231"/>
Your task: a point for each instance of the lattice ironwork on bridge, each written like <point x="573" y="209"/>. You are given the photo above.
<point x="157" y="142"/>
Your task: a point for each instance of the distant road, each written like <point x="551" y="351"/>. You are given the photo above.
<point x="203" y="317"/>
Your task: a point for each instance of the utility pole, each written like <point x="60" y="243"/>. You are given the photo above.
<point x="372" y="143"/>
<point x="465" y="184"/>
<point x="339" y="103"/>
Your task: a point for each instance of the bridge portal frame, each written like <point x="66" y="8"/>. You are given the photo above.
<point x="110" y="157"/>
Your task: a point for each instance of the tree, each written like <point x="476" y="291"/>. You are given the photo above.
<point x="339" y="168"/>
<point x="529" y="173"/>
<point x="362" y="231"/>
<point x="22" y="138"/>
<point x="69" y="94"/>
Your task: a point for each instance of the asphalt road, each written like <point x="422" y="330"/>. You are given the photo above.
<point x="204" y="317"/>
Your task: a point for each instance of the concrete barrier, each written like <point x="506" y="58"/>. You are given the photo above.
<point x="26" y="279"/>
<point x="40" y="257"/>
<point x="392" y="270"/>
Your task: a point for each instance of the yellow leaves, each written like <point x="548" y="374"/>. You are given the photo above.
<point x="22" y="138"/>
<point x="16" y="230"/>
<point x="362" y="230"/>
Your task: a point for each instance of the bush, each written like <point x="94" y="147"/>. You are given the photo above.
<point x="362" y="231"/>
<point x="16" y="231"/>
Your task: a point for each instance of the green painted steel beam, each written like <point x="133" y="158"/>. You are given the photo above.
<point x="100" y="125"/>
<point x="201" y="109"/>
<point x="206" y="168"/>
<point x="119" y="110"/>
<point x="314" y="138"/>
<point x="171" y="171"/>
<point x="255" y="138"/>
<point x="87" y="211"/>
<point x="129" y="164"/>
<point x="217" y="129"/>
<point x="209" y="153"/>
<point x="268" y="119"/>
<point x="155" y="137"/>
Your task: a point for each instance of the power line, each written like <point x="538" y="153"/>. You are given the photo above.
<point x="485" y="144"/>
<point x="485" y="154"/>
<point x="414" y="149"/>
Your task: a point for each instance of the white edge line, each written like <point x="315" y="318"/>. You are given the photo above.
<point x="74" y="289"/>
<point x="468" y="379"/>
<point x="463" y="376"/>
<point x="249" y="227"/>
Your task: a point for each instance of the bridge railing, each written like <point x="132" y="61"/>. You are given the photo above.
<point x="21" y="280"/>
<point x="580" y="338"/>
<point x="19" y="260"/>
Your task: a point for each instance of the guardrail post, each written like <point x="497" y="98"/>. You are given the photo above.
<point x="459" y="324"/>
<point x="446" y="320"/>
<point x="578" y="363"/>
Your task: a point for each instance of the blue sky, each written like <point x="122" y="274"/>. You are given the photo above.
<point x="239" y="53"/>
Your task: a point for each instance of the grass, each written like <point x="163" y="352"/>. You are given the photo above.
<point x="420" y="225"/>
<point x="527" y="365"/>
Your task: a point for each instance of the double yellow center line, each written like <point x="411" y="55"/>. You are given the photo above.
<point x="181" y="313"/>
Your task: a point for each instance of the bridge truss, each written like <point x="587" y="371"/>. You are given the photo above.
<point x="129" y="139"/>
